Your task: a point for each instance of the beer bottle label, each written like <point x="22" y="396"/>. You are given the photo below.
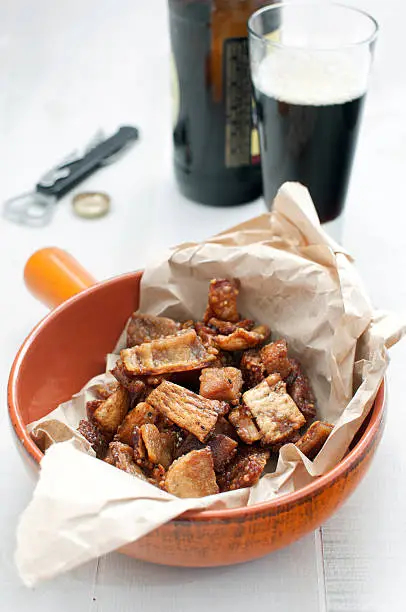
<point x="239" y="127"/>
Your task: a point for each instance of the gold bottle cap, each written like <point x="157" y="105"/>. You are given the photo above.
<point x="91" y="205"/>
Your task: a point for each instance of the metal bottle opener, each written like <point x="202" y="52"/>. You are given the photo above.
<point x="37" y="207"/>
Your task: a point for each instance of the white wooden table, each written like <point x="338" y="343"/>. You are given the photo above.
<point x="67" y="68"/>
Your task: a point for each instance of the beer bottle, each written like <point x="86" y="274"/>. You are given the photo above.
<point x="216" y="148"/>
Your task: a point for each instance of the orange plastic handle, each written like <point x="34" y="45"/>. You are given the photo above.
<point x="53" y="275"/>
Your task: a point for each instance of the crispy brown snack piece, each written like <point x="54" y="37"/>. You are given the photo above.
<point x="178" y="353"/>
<point x="274" y="411"/>
<point x="157" y="476"/>
<point x="252" y="368"/>
<point x="189" y="443"/>
<point x="144" y="328"/>
<point x="131" y="383"/>
<point x="122" y="456"/>
<point x="274" y="356"/>
<point x="159" y="445"/>
<point x="205" y="333"/>
<point x="223" y="450"/>
<point x="105" y="390"/>
<point x="192" y="475"/>
<point x="111" y="412"/>
<point x="299" y="388"/>
<point x="245" y="470"/>
<point x="225" y="428"/>
<point x="140" y="415"/>
<point x="243" y="422"/>
<point x="91" y="406"/>
<point x="293" y="438"/>
<point x="140" y="452"/>
<point x="155" y="381"/>
<point x="95" y="437"/>
<point x="225" y="360"/>
<point x="189" y="324"/>
<point x="226" y="327"/>
<point x="314" y="438"/>
<point x="221" y="384"/>
<point x="222" y="301"/>
<point x="186" y="409"/>
<point x="222" y="408"/>
<point x="241" y="339"/>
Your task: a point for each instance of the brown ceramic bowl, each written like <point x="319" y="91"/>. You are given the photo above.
<point x="68" y="347"/>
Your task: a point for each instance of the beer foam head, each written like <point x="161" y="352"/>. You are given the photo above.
<point x="312" y="77"/>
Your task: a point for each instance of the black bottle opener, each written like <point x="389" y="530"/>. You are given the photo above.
<point x="36" y="208"/>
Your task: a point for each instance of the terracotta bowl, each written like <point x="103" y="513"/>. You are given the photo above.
<point x="68" y="347"/>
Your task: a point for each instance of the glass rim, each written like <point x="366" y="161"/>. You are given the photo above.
<point x="292" y="3"/>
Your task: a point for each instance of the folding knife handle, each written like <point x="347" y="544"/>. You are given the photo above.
<point x="78" y="170"/>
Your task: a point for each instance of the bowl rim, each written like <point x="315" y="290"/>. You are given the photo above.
<point x="349" y="461"/>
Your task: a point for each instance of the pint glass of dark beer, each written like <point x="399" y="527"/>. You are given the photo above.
<point x="310" y="64"/>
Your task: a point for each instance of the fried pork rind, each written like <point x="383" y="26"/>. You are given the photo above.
<point x="140" y="452"/>
<point x="205" y="333"/>
<point x="274" y="356"/>
<point x="157" y="476"/>
<point x="252" y="369"/>
<point x="221" y="384"/>
<point x="122" y="456"/>
<point x="186" y="409"/>
<point x="225" y="428"/>
<point x="274" y="411"/>
<point x="178" y="353"/>
<point x="192" y="475"/>
<point x="91" y="406"/>
<point x="245" y="470"/>
<point x="111" y="412"/>
<point x="299" y="388"/>
<point x="159" y="445"/>
<point x="244" y="424"/>
<point x="189" y="443"/>
<point x="225" y="360"/>
<point x="222" y="408"/>
<point x="226" y="327"/>
<point x="132" y="384"/>
<point x="95" y="437"/>
<point x="314" y="438"/>
<point x="140" y="415"/>
<point x="189" y="324"/>
<point x="241" y="339"/>
<point x="293" y="438"/>
<point x="144" y="328"/>
<point x="222" y="301"/>
<point x="223" y="450"/>
<point x="103" y="391"/>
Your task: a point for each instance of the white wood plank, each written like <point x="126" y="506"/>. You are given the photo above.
<point x="283" y="581"/>
<point x="364" y="543"/>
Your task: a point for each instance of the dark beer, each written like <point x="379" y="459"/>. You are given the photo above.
<point x="216" y="150"/>
<point x="314" y="145"/>
<point x="308" y="130"/>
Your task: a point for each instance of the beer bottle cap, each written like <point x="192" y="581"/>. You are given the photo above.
<point x="91" y="205"/>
